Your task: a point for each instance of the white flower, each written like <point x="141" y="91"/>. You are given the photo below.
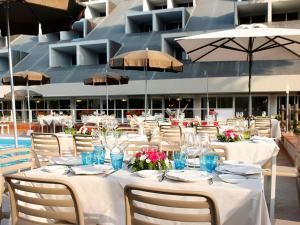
<point x="143" y="157"/>
<point x="148" y="160"/>
<point x="167" y="161"/>
<point x="132" y="160"/>
<point x="232" y="135"/>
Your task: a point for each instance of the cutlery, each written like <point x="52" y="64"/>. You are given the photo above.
<point x="109" y="173"/>
<point x="162" y="176"/>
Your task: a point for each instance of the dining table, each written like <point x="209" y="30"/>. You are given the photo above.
<point x="102" y="197"/>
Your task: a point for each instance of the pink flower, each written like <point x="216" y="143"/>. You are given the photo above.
<point x="236" y="136"/>
<point x="162" y="156"/>
<point x="227" y="135"/>
<point x="153" y="156"/>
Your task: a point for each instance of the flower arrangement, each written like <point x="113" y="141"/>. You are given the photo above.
<point x="149" y="159"/>
<point x="229" y="136"/>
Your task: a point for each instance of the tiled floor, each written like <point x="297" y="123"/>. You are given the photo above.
<point x="287" y="206"/>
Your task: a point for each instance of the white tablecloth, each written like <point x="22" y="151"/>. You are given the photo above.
<point x="249" y="152"/>
<point x="102" y="199"/>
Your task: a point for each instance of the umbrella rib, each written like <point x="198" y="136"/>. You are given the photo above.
<point x="215" y="48"/>
<point x="283" y="46"/>
<point x="264" y="44"/>
<point x="209" y="44"/>
<point x="275" y="45"/>
<point x="238" y="44"/>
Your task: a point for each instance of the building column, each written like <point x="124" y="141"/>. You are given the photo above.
<point x="269" y="11"/>
<point x="272" y="105"/>
<point x="197" y="105"/>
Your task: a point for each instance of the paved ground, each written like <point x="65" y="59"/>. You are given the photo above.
<point x="287" y="206"/>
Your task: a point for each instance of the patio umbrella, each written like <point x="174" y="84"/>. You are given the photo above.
<point x="146" y="60"/>
<point x="23" y="94"/>
<point x="245" y="43"/>
<point x="24" y="17"/>
<point x="27" y="78"/>
<point x="107" y="78"/>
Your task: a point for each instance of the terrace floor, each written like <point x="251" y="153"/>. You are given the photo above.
<point x="287" y="205"/>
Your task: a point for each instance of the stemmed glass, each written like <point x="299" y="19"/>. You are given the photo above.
<point x="191" y="146"/>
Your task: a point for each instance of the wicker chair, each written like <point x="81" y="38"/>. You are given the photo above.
<point x="13" y="161"/>
<point x="159" y="206"/>
<point x="46" y="146"/>
<point x="46" y="194"/>
<point x="263" y="127"/>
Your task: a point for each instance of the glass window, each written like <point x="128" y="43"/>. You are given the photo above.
<point x="225" y="102"/>
<point x="259" y="104"/>
<point x="241" y="105"/>
<point x="137" y="103"/>
<point x="212" y="102"/>
<point x="121" y="104"/>
<point x="156" y="105"/>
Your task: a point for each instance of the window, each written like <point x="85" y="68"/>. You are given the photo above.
<point x="188" y="4"/>
<point x="102" y="14"/>
<point x="241" y="105"/>
<point x="102" y="58"/>
<point x="156" y="105"/>
<point x="278" y="17"/>
<point x="212" y="102"/>
<point x="252" y="19"/>
<point x="259" y="104"/>
<point x="121" y="104"/>
<point x="74" y="60"/>
<point x="224" y="102"/>
<point x="160" y="7"/>
<point x="145" y="28"/>
<point x="173" y="26"/>
<point x="292" y="16"/>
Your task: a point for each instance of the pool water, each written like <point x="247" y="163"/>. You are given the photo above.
<point x="10" y="143"/>
<point x="6" y="143"/>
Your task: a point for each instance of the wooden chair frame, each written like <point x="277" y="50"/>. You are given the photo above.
<point x="132" y="197"/>
<point x="83" y="143"/>
<point x="16" y="184"/>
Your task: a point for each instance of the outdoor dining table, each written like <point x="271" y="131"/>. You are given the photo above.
<point x="102" y="200"/>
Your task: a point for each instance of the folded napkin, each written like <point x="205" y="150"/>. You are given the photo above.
<point x="68" y="161"/>
<point x="265" y="139"/>
<point x="91" y="170"/>
<point x="239" y="169"/>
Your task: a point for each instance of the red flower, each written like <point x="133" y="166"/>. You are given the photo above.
<point x="138" y="154"/>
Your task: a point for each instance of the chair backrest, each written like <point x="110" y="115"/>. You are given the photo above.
<point x="221" y="151"/>
<point x="136" y="146"/>
<point x="151" y="124"/>
<point x="17" y="159"/>
<point x="53" y="201"/>
<point x="169" y="131"/>
<point x="212" y="131"/>
<point x="263" y="127"/>
<point x="45" y="145"/>
<point x="128" y="130"/>
<point x="83" y="143"/>
<point x="160" y="205"/>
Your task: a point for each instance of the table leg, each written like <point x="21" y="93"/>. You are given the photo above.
<point x="273" y="189"/>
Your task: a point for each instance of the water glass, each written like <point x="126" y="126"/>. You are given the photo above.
<point x="179" y="160"/>
<point x="116" y="159"/>
<point x="208" y="162"/>
<point x="87" y="158"/>
<point x="99" y="155"/>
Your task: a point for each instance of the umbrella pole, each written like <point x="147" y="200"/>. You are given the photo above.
<point x="146" y="91"/>
<point x="250" y="59"/>
<point x="28" y="104"/>
<point x="106" y="98"/>
<point x="13" y="103"/>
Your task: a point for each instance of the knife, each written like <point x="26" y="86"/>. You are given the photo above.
<point x="162" y="176"/>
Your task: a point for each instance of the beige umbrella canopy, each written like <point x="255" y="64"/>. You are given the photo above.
<point x="106" y="79"/>
<point x="152" y="60"/>
<point x="26" y="78"/>
<point x="146" y="60"/>
<point x="22" y="94"/>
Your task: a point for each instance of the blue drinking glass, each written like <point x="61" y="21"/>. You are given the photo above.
<point x="116" y="159"/>
<point x="179" y="160"/>
<point x="208" y="162"/>
<point x="87" y="158"/>
<point x="99" y="155"/>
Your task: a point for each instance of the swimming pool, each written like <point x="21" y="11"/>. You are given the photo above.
<point x="10" y="143"/>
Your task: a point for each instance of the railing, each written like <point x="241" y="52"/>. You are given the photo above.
<point x="121" y="114"/>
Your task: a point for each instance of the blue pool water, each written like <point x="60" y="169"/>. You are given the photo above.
<point x="9" y="143"/>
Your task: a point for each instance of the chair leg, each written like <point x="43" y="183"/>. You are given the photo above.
<point x="298" y="187"/>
